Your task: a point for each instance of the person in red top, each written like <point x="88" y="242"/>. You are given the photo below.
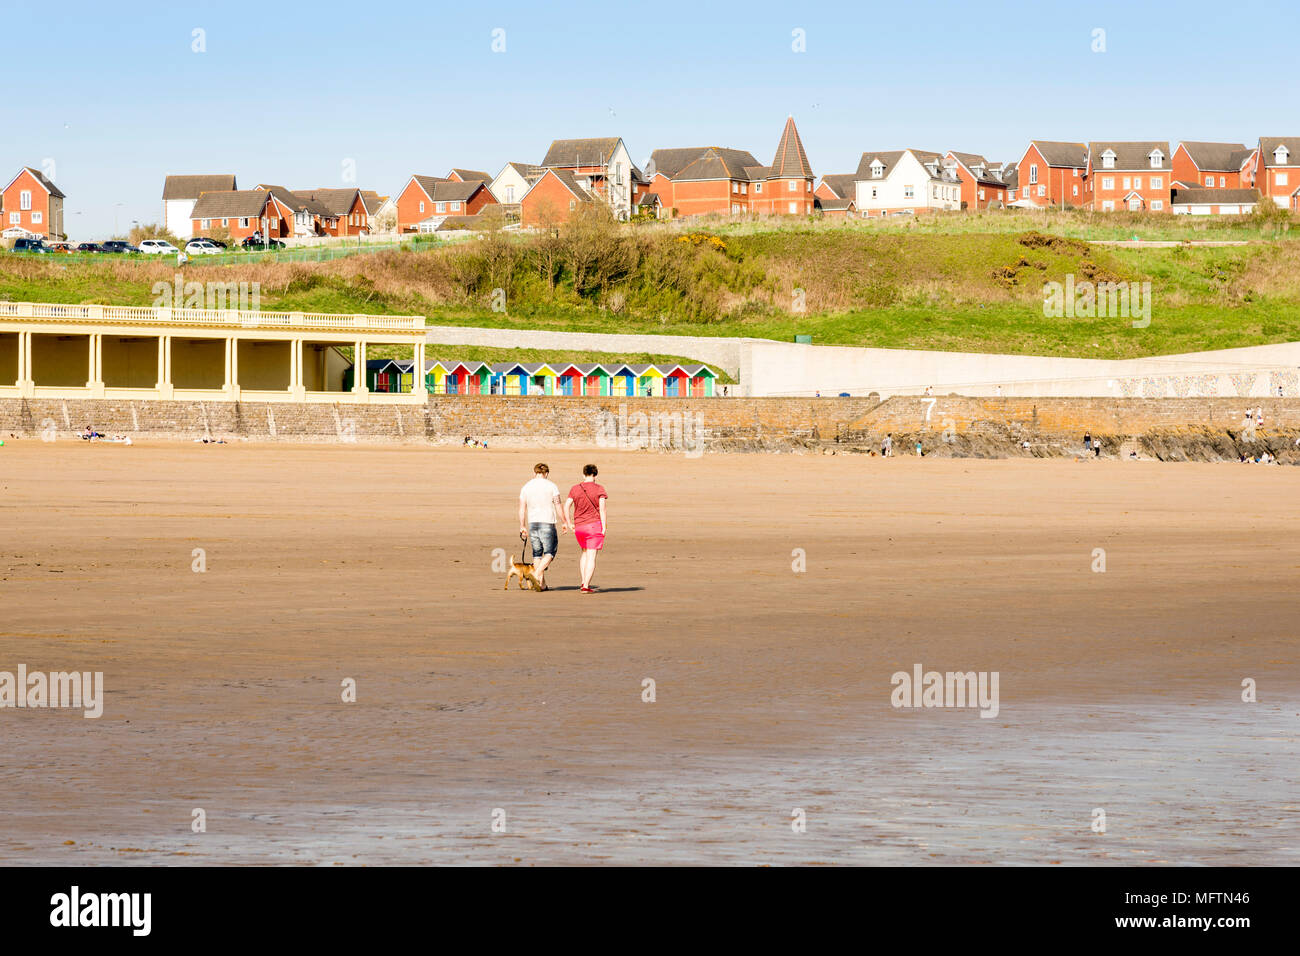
<point x="585" y="510"/>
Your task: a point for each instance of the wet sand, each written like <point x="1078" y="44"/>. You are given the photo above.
<point x="1118" y="690"/>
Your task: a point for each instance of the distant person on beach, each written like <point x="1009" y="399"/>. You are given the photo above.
<point x="887" y="446"/>
<point x="919" y="453"/>
<point x="585" y="510"/>
<point x="1096" y="447"/>
<point x="1087" y="442"/>
<point x="539" y="513"/>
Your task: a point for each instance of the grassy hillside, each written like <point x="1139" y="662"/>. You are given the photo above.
<point x="934" y="284"/>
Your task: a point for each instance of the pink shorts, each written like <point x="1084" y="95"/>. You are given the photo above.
<point x="590" y="537"/>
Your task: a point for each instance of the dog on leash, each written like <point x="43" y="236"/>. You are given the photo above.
<point x="523" y="571"/>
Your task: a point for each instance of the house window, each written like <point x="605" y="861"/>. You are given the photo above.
<point x="735" y="208"/>
<point x="455" y="207"/>
<point x="908" y="192"/>
<point x="1076" y="174"/>
<point x="735" y="186"/>
<point x="794" y="207"/>
<point x="1156" y="159"/>
<point x="807" y="185"/>
<point x="573" y="204"/>
<point x="934" y="191"/>
<point x="1108" y="160"/>
<point x="744" y="189"/>
<point x="1033" y="173"/>
<point x="1223" y="181"/>
<point x="790" y="186"/>
<point x="225" y="223"/>
<point x="421" y="207"/>
<point x="1107" y="205"/>
<point x="205" y="223"/>
<point x="1108" y="182"/>
<point x="877" y="169"/>
<point x="510" y="194"/>
<point x="275" y="223"/>
<point x="873" y="192"/>
<point x="1042" y="190"/>
<point x="25" y="199"/>
<point x="1076" y="189"/>
<point x="15" y="218"/>
<point x="1128" y="182"/>
<point x="36" y="216"/>
<point x="758" y="187"/>
<point x="1157" y="182"/>
<point x="1157" y="204"/>
<point x="440" y="207"/>
<point x="1137" y="182"/>
<point x="981" y="194"/>
<point x="243" y="223"/>
<point x="1281" y="179"/>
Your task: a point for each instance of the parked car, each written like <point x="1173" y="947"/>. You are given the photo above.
<point x="157" y="247"/>
<point x="202" y="247"/>
<point x="217" y="242"/>
<point x="59" y="247"/>
<point x="89" y="247"/>
<point x="118" y="245"/>
<point x="30" y="245"/>
<point x="251" y="243"/>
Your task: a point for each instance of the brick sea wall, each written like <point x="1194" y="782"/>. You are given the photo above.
<point x="589" y="421"/>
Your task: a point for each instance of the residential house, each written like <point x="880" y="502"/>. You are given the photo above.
<point x="513" y="181"/>
<point x="1279" y="170"/>
<point x="1214" y="165"/>
<point x="552" y="199"/>
<point x="602" y="167"/>
<point x="1135" y="176"/>
<point x="700" y="180"/>
<point x="309" y="216"/>
<point x="1011" y="176"/>
<point x="344" y="210"/>
<point x="241" y="213"/>
<point x="180" y="193"/>
<point x="1051" y="174"/>
<point x="837" y="186"/>
<point x="1219" y="201"/>
<point x="426" y="197"/>
<point x="468" y="176"/>
<point x="982" y="186"/>
<point x="33" y="203"/>
<point x="905" y="181"/>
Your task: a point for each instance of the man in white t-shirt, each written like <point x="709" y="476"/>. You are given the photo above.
<point x="539" y="512"/>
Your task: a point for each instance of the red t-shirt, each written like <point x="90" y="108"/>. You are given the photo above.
<point x="586" y="503"/>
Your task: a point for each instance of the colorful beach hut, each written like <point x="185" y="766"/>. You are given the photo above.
<point x="570" y="380"/>
<point x="595" y="379"/>
<point x="382" y="375"/>
<point x="510" y="378"/>
<point x="649" y="380"/>
<point x="542" y="378"/>
<point x="435" y="375"/>
<point x="468" y="378"/>
<point x="701" y="379"/>
<point x="676" y="382"/>
<point x="622" y="380"/>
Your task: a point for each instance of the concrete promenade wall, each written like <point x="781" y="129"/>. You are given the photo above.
<point x="765" y="367"/>
<point x="778" y="368"/>
<point x="721" y="422"/>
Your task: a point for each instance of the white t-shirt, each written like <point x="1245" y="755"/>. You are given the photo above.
<point x="538" y="495"/>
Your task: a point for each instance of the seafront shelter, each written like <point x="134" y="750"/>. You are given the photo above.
<point x="56" y="350"/>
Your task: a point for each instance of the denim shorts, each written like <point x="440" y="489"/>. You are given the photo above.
<point x="544" y="538"/>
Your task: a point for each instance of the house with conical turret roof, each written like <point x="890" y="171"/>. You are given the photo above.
<point x="718" y="180"/>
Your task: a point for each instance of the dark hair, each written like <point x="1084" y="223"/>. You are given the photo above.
<point x="541" y="469"/>
<point x="590" y="470"/>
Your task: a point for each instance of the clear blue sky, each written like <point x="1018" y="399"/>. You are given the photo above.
<point x="287" y="92"/>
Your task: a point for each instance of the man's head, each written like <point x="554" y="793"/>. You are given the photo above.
<point x="590" y="471"/>
<point x="541" y="469"/>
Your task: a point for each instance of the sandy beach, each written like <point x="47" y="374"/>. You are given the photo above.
<point x="1119" y="690"/>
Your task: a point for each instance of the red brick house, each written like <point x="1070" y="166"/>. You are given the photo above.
<point x="33" y="203"/>
<point x="717" y="180"/>
<point x="1051" y="173"/>
<point x="1214" y="165"/>
<point x="552" y="199"/>
<point x="343" y="212"/>
<point x="601" y="167"/>
<point x="468" y="176"/>
<point x="1137" y="176"/>
<point x="425" y="197"/>
<point x="981" y="181"/>
<point x="1279" y="170"/>
<point x="836" y="186"/>
<point x="242" y="212"/>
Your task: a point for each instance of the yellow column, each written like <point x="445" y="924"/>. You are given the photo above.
<point x="30" y="388"/>
<point x="360" y="384"/>
<point x="91" y="378"/>
<point x="417" y="382"/>
<point x="22" y="359"/>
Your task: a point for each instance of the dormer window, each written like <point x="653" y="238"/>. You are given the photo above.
<point x="877" y="169"/>
<point x="1280" y="155"/>
<point x="1108" y="160"/>
<point x="1157" y="158"/>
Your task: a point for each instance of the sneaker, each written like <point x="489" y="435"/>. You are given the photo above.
<point x="588" y="590"/>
